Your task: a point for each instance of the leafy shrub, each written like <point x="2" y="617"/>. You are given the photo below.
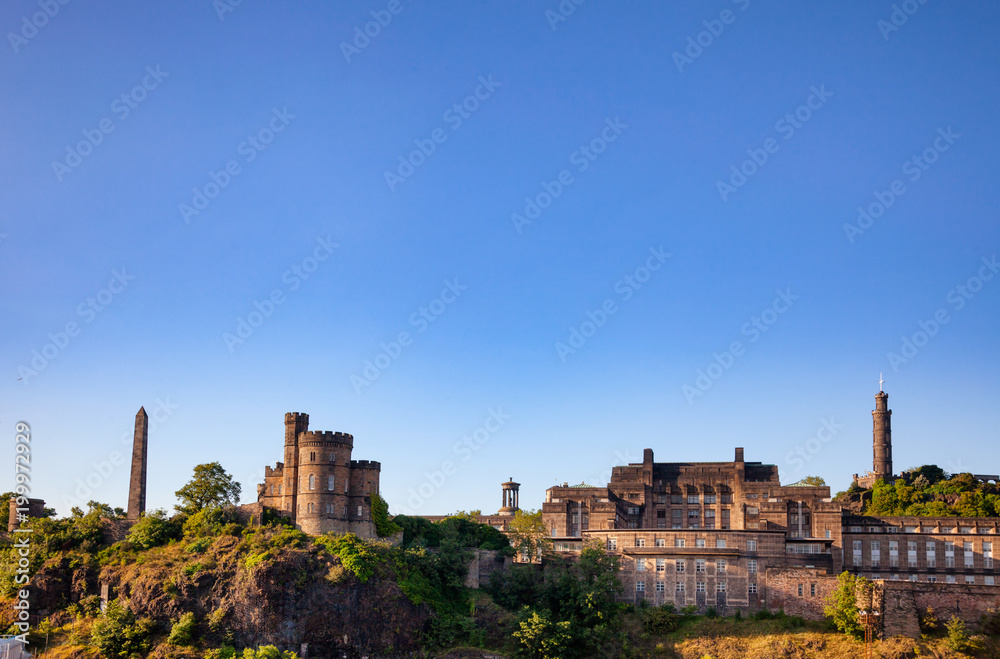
<point x="216" y="619"/>
<point x="959" y="639"/>
<point x="384" y="526"/>
<point x="711" y="612"/>
<point x="90" y="605"/>
<point x="182" y="631"/>
<point x="358" y="556"/>
<point x="660" y="620"/>
<point x="543" y="639"/>
<point x="118" y="634"/>
<point x="152" y="530"/>
<point x="206" y="523"/>
<point x="199" y="546"/>
<point x="842" y="606"/>
<point x="268" y="652"/>
<point x="225" y="652"/>
<point x="929" y="622"/>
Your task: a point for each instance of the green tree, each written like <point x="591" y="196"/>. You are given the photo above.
<point x="528" y="535"/>
<point x="152" y="530"/>
<point x="543" y="639"/>
<point x="842" y="604"/>
<point x="182" y="631"/>
<point x="211" y="486"/>
<point x="816" y="481"/>
<point x="384" y="526"/>
<point x="470" y="515"/>
<point x="118" y="634"/>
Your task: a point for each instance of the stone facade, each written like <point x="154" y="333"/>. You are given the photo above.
<point x="318" y="485"/>
<point x="781" y="546"/>
<point x="34" y="508"/>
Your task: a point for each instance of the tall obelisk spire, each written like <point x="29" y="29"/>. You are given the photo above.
<point x="137" y="484"/>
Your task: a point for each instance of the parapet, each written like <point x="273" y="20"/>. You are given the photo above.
<point x="328" y="436"/>
<point x="366" y="464"/>
<point x="279" y="469"/>
<point x="292" y="416"/>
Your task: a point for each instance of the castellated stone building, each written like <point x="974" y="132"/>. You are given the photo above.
<point x="730" y="535"/>
<point x="318" y="485"/>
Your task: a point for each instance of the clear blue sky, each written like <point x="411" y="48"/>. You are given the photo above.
<point x="309" y="129"/>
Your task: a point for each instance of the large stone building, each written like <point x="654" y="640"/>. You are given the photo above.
<point x="728" y="534"/>
<point x="318" y="485"/>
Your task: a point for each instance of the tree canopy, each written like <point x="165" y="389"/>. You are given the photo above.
<point x="211" y="486"/>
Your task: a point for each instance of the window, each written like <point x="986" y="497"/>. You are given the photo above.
<point x="827" y="534"/>
<point x="987" y="555"/>
<point x="279" y="488"/>
<point x="709" y="499"/>
<point x="329" y="483"/>
<point x="856" y="544"/>
<point x="693" y="499"/>
<point x="720" y="566"/>
<point x="359" y="511"/>
<point x="640" y="586"/>
<point x="699" y="587"/>
<point x="679" y="565"/>
<point x="720" y="543"/>
<point x="640" y="542"/>
<point x="753" y="510"/>
<point x="989" y="581"/>
<point x="725" y="519"/>
<point x="720" y="587"/>
<point x="699" y="542"/>
<point x="876" y="553"/>
<point x="640" y="565"/>
<point x="931" y="553"/>
<point x="752" y="566"/>
<point x="709" y="519"/>
<point x="727" y="498"/>
<point x="679" y="542"/>
<point x="970" y="579"/>
<point x="968" y="555"/>
<point x="950" y="578"/>
<point x="309" y="507"/>
<point x="752" y="589"/>
<point x="660" y="587"/>
<point x="660" y="542"/>
<point x="272" y="489"/>
<point x="661" y="565"/>
<point x="679" y="587"/>
<point x="693" y="519"/>
<point x="751" y="545"/>
<point x="931" y="578"/>
<point x="612" y="542"/>
<point x="676" y="499"/>
<point x="812" y="590"/>
<point x="800" y="590"/>
<point x="699" y="565"/>
<point x="913" y="577"/>
<point x="661" y="498"/>
<point x="312" y="482"/>
<point x="312" y="457"/>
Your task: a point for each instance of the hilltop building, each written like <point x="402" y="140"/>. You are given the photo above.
<point x="729" y="534"/>
<point x="318" y="486"/>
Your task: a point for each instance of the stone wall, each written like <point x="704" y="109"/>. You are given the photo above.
<point x="799" y="591"/>
<point x="902" y="602"/>
<point x="484" y="563"/>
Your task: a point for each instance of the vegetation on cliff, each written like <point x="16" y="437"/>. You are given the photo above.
<point x="928" y="491"/>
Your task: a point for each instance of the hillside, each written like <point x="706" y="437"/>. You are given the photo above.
<point x="926" y="492"/>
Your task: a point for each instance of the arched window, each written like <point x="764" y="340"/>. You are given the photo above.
<point x="329" y="483"/>
<point x="312" y="482"/>
<point x="310" y="508"/>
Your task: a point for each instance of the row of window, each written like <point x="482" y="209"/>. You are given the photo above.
<point x="312" y="481"/>
<point x="930" y="548"/>
<point x="331" y="458"/>
<point x="328" y="509"/>
<point x="693" y="499"/>
<point x="679" y="587"/>
<point x="949" y="578"/>
<point x="921" y="529"/>
<point x="720" y="543"/>
<point x="700" y="565"/>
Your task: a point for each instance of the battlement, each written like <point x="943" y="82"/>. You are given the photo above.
<point x="291" y="417"/>
<point x="327" y="436"/>
<point x="278" y="470"/>
<point x="366" y="464"/>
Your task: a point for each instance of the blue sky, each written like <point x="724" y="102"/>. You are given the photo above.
<point x="562" y="161"/>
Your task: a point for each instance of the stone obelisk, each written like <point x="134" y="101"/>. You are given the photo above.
<point x="137" y="484"/>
